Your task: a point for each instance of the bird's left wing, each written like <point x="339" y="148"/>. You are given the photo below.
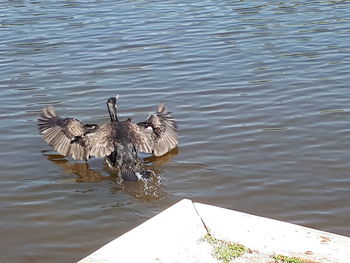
<point x="70" y="136"/>
<point x="61" y="133"/>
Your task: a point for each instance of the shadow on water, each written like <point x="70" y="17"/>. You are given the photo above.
<point x="149" y="189"/>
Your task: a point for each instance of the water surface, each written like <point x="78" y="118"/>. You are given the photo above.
<point x="260" y="90"/>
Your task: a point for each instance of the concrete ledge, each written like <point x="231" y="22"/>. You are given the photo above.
<point x="174" y="234"/>
<point x="171" y="236"/>
<point x="274" y="237"/>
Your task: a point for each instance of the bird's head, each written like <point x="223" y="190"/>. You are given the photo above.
<point x="113" y="100"/>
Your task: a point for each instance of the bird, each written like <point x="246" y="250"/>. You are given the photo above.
<point x="119" y="142"/>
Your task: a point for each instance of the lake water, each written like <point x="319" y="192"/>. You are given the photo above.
<point x="260" y="90"/>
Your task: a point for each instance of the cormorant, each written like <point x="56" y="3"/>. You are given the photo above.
<point x="117" y="141"/>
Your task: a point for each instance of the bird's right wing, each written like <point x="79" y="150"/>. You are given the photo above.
<point x="157" y="134"/>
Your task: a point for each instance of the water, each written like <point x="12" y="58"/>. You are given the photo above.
<point x="259" y="88"/>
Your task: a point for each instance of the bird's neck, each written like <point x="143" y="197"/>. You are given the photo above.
<point x="112" y="112"/>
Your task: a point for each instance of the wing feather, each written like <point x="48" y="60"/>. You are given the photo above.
<point x="157" y="134"/>
<point x="70" y="136"/>
<point x="101" y="142"/>
<point x="59" y="132"/>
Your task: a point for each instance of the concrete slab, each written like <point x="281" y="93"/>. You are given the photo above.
<point x="274" y="237"/>
<point x="174" y="236"/>
<point x="171" y="236"/>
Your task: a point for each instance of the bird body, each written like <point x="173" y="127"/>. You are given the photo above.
<point x="117" y="141"/>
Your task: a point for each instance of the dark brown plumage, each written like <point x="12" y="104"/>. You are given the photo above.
<point x="118" y="141"/>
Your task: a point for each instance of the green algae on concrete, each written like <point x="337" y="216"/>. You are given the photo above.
<point x="225" y="251"/>
<point x="286" y="259"/>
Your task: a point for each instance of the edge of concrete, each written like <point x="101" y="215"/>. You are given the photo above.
<point x="170" y="235"/>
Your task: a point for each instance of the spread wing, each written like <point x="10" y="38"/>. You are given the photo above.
<point x="70" y="136"/>
<point x="157" y="134"/>
<point x="101" y="142"/>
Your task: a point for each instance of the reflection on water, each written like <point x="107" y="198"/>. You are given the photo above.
<point x="146" y="189"/>
<point x="156" y="161"/>
<point x="81" y="170"/>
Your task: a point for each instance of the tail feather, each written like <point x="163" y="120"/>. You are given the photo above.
<point x="133" y="175"/>
<point x="128" y="174"/>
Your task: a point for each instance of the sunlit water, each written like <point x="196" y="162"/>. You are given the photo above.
<point x="260" y="90"/>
